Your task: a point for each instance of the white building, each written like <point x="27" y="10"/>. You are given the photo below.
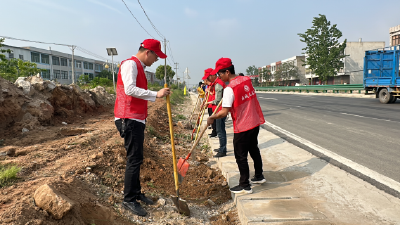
<point x="57" y="65"/>
<point x="394" y="33"/>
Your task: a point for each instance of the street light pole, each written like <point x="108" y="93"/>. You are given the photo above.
<point x="73" y="64"/>
<point x="112" y="52"/>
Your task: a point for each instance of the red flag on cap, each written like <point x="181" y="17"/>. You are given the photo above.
<point x="155" y="46"/>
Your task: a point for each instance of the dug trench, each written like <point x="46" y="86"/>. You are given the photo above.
<point x="83" y="173"/>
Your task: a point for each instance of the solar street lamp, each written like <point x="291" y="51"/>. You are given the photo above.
<point x="112" y="52"/>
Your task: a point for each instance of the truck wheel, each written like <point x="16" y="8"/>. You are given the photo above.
<point x="384" y="96"/>
<point x="393" y="100"/>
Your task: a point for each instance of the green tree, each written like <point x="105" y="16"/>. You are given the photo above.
<point x="287" y="71"/>
<point x="252" y="70"/>
<point x="2" y="56"/>
<point x="107" y="74"/>
<point x="160" y="73"/>
<point x="255" y="82"/>
<point x="323" y="50"/>
<point x="265" y="75"/>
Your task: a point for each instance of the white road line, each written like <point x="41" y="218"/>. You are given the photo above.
<point x="355" y="166"/>
<point x="269" y="98"/>
<point x="366" y="117"/>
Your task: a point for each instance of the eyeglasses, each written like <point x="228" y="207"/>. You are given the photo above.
<point x="155" y="55"/>
<point x="221" y="73"/>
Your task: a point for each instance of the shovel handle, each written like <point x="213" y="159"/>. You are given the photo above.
<point x="202" y="132"/>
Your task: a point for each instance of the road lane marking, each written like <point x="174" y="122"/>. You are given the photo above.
<point x="375" y="176"/>
<point x="269" y="98"/>
<point x="366" y="117"/>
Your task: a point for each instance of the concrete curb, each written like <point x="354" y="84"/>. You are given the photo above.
<point x="302" y="188"/>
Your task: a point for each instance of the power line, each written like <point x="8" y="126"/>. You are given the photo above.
<point x="41" y="42"/>
<point x="136" y="19"/>
<point x="90" y="53"/>
<point x="169" y="47"/>
<point x="154" y="27"/>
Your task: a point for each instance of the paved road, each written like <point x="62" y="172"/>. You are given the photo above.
<point x="362" y="130"/>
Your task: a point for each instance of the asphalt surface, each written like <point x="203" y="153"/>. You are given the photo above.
<point x="362" y="130"/>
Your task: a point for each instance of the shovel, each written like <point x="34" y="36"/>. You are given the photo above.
<point x="189" y="124"/>
<point x="201" y="114"/>
<point x="183" y="164"/>
<point x="179" y="203"/>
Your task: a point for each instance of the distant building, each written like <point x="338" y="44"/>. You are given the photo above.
<point x="297" y="61"/>
<point x="352" y="72"/>
<point x="394" y="33"/>
<point x="57" y="65"/>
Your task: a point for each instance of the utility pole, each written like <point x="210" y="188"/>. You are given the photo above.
<point x="176" y="69"/>
<point x="73" y="64"/>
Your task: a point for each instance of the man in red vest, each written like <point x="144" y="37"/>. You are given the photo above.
<point x="130" y="117"/>
<point x="241" y="100"/>
<point x="218" y="86"/>
<point x="211" y="97"/>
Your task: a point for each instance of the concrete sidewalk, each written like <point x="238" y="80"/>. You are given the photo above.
<point x="303" y="189"/>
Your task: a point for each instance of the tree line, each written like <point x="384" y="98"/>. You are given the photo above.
<point x="324" y="54"/>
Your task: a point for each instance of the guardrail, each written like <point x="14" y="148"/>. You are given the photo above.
<point x="316" y="88"/>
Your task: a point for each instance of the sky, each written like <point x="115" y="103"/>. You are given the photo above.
<point x="250" y="32"/>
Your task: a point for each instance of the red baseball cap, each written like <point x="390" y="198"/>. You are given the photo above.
<point x="155" y="46"/>
<point x="222" y="63"/>
<point x="207" y="73"/>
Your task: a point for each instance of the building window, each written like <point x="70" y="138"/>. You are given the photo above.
<point x="78" y="64"/>
<point x="90" y="66"/>
<point x="56" y="60"/>
<point x="45" y="59"/>
<point x="57" y="74"/>
<point x="46" y="74"/>
<point x="396" y="40"/>
<point x="85" y="65"/>
<point x="21" y="57"/>
<point x="35" y="57"/>
<point x="64" y="75"/>
<point x="10" y="55"/>
<point x="63" y="62"/>
<point x="98" y="67"/>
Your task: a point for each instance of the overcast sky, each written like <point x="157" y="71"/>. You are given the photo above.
<point x="250" y="32"/>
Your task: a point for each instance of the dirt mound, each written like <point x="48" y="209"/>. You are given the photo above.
<point x="31" y="103"/>
<point x="88" y="169"/>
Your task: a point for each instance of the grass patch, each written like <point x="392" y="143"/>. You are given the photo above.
<point x="177" y="97"/>
<point x="150" y="184"/>
<point x="8" y="173"/>
<point x="180" y="117"/>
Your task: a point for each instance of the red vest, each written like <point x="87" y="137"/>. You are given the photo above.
<point x="246" y="111"/>
<point x="212" y="94"/>
<point x="220" y="82"/>
<point x="127" y="106"/>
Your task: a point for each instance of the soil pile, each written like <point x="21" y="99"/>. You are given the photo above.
<point x="86" y="168"/>
<point x="32" y="103"/>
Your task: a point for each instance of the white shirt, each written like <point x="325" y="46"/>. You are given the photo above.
<point x="229" y="97"/>
<point x="129" y="74"/>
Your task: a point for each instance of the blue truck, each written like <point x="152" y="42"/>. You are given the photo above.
<point x="381" y="73"/>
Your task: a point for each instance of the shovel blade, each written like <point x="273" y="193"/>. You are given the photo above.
<point x="181" y="205"/>
<point x="183" y="167"/>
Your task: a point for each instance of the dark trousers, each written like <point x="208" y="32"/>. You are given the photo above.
<point x="213" y="125"/>
<point x="133" y="135"/>
<point x="221" y="132"/>
<point x="244" y="143"/>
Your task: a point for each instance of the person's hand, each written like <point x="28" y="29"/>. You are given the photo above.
<point x="163" y="92"/>
<point x="209" y="103"/>
<point x="210" y="121"/>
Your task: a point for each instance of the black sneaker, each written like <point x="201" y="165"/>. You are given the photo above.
<point x="213" y="135"/>
<point x="216" y="150"/>
<point x="258" y="180"/>
<point x="144" y="199"/>
<point x="135" y="208"/>
<point x="239" y="189"/>
<point x="219" y="154"/>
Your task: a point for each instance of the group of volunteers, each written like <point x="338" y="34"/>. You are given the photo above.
<point x="238" y="97"/>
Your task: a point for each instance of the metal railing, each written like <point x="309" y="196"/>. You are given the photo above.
<point x="346" y="88"/>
